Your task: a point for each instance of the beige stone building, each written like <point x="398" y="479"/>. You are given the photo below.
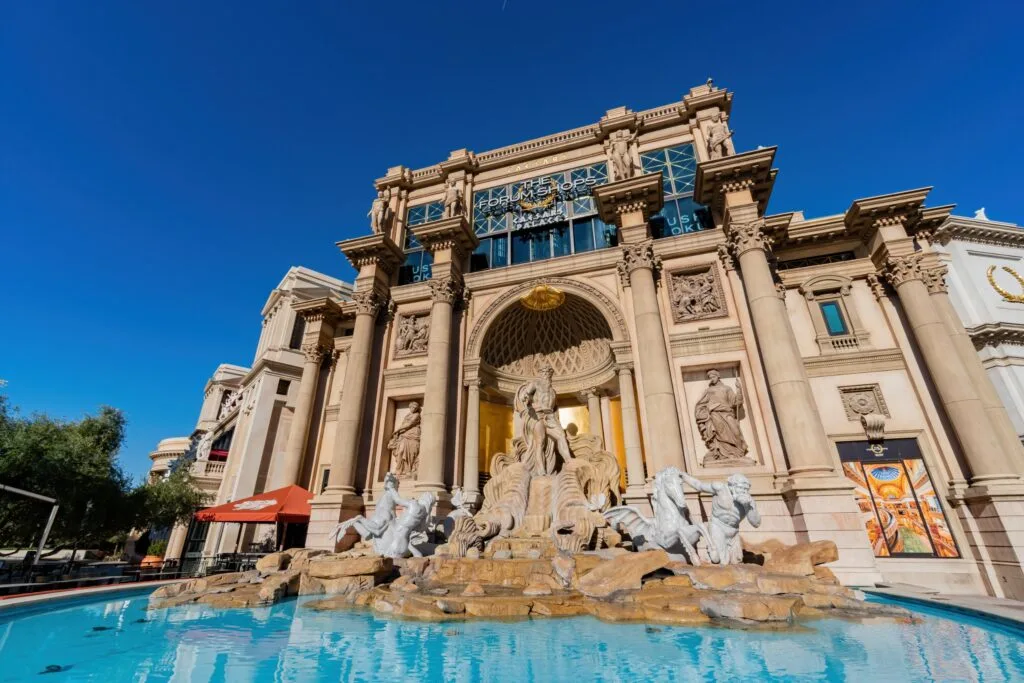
<point x="633" y="256"/>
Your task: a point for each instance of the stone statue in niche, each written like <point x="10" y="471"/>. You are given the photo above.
<point x="536" y="418"/>
<point x="696" y="296"/>
<point x="405" y="443"/>
<point x="719" y="138"/>
<point x="730" y="505"/>
<point x="413" y="334"/>
<point x="718" y="414"/>
<point x="620" y="156"/>
<point x="379" y="211"/>
<point x="453" y="200"/>
<point x="204" y="446"/>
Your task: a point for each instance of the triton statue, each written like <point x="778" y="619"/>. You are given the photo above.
<point x="731" y="503"/>
<point x="383" y="515"/>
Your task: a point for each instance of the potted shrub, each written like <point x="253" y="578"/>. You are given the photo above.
<point x="155" y="554"/>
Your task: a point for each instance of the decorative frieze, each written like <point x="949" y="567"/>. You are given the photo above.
<point x="412" y="337"/>
<point x="863" y="399"/>
<point x="696" y="295"/>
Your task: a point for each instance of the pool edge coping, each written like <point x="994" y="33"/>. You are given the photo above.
<point x="29" y="599"/>
<point x="953" y="604"/>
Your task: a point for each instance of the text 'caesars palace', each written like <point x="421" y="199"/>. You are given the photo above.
<point x="633" y="262"/>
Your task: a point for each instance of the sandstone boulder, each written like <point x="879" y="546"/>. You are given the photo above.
<point x="330" y="567"/>
<point x="218" y="580"/>
<point x="278" y="586"/>
<point x="779" y="584"/>
<point x="171" y="590"/>
<point x="747" y="607"/>
<point x="300" y="557"/>
<point x="344" y="585"/>
<point x="498" y="609"/>
<point x="715" y="577"/>
<point x="274" y="562"/>
<point x="624" y="572"/>
<point x="802" y="558"/>
<point x="473" y="590"/>
<point x="404" y="584"/>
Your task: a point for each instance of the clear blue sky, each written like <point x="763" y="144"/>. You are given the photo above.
<point x="162" y="164"/>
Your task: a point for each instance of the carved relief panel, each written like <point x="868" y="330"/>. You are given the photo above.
<point x="413" y="333"/>
<point x="696" y="294"/>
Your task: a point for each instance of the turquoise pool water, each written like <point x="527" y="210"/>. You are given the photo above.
<point x="112" y="639"/>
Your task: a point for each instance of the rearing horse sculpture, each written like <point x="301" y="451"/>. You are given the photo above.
<point x="672" y="527"/>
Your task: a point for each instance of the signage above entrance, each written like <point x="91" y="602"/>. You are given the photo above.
<point x="541" y="201"/>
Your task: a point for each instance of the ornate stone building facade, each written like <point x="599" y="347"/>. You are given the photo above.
<point x="633" y="256"/>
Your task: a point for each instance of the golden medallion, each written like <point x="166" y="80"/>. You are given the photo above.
<point x="1008" y="296"/>
<point x="543" y="298"/>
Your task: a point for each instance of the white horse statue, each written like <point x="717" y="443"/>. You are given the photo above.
<point x="672" y="527"/>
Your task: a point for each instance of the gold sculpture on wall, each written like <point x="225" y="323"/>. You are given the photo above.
<point x="543" y="298"/>
<point x="1013" y="298"/>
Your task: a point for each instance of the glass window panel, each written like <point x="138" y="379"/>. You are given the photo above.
<point x="499" y="251"/>
<point x="693" y="216"/>
<point x="605" y="235"/>
<point x="416" y="215"/>
<point x="670" y="214"/>
<point x="541" y="241"/>
<point x="560" y="244"/>
<point x="834" y="321"/>
<point x="600" y="171"/>
<point x="480" y="259"/>
<point x="583" y="235"/>
<point x="499" y="224"/>
<point x="408" y="269"/>
<point x="435" y="210"/>
<point x="583" y="206"/>
<point x="520" y="247"/>
<point x="410" y="241"/>
<point x="652" y="162"/>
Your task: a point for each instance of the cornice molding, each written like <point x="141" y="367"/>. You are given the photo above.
<point x="996" y="334"/>
<point x="747" y="171"/>
<point x="981" y="232"/>
<point x="372" y="250"/>
<point x="705" y="342"/>
<point x="405" y="377"/>
<point x="879" y="360"/>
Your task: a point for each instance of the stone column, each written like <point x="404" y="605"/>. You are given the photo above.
<point x="471" y="453"/>
<point x="967" y="414"/>
<point x="934" y="279"/>
<point x="430" y="477"/>
<point x="640" y="265"/>
<point x="807" y="446"/>
<point x="635" y="477"/>
<point x="593" y="399"/>
<point x="450" y="241"/>
<point x="351" y="408"/>
<point x="286" y="472"/>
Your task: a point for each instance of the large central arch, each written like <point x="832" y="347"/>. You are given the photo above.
<point x="510" y="340"/>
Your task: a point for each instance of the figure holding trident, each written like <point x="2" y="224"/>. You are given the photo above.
<point x="537" y="415"/>
<point x="383" y="515"/>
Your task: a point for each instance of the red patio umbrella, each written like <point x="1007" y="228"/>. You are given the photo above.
<point x="287" y="505"/>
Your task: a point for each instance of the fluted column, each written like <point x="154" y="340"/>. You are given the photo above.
<point x="286" y="472"/>
<point x="471" y="454"/>
<point x="593" y="399"/>
<point x="351" y="409"/>
<point x="807" y="445"/>
<point x="952" y="380"/>
<point x="639" y="263"/>
<point x="935" y="281"/>
<point x="430" y="476"/>
<point x="635" y="477"/>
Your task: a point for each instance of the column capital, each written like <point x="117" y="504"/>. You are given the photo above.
<point x="445" y="289"/>
<point x="749" y="172"/>
<point x="625" y="369"/>
<point x="728" y="262"/>
<point x="369" y="302"/>
<point x="636" y="256"/>
<point x="935" y="279"/>
<point x="587" y="394"/>
<point x="314" y="352"/>
<point x="902" y="269"/>
<point x="744" y="237"/>
<point x="876" y="285"/>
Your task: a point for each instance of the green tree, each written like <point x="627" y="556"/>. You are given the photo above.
<point x="169" y="500"/>
<point x="72" y="461"/>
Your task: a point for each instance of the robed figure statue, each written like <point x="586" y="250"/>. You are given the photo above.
<point x="536" y="414"/>
<point x="718" y="414"/>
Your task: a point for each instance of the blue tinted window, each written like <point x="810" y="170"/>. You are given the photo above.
<point x="499" y="251"/>
<point x="834" y="321"/>
<point x="583" y="235"/>
<point x="520" y="247"/>
<point x="416" y="267"/>
<point x="541" y="241"/>
<point x="480" y="259"/>
<point x="605" y="235"/>
<point x="560" y="244"/>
